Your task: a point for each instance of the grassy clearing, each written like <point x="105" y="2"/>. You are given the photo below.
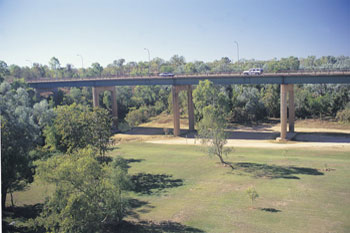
<point x="180" y="189"/>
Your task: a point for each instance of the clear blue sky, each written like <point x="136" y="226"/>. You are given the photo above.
<point x="105" y="30"/>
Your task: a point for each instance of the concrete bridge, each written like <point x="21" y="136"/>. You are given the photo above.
<point x="185" y="82"/>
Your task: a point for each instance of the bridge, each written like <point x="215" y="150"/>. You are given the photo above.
<point x="185" y="82"/>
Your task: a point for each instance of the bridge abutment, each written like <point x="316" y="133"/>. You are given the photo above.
<point x="96" y="100"/>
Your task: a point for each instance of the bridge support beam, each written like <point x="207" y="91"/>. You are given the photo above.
<point x="190" y="108"/>
<point x="283" y="116"/>
<point x="176" y="110"/>
<point x="291" y="106"/>
<point x="96" y="100"/>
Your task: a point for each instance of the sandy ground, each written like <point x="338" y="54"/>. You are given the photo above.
<point x="312" y="134"/>
<point x="261" y="144"/>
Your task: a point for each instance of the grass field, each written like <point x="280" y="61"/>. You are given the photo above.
<point x="180" y="188"/>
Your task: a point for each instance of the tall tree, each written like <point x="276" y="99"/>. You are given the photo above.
<point x="87" y="194"/>
<point x="18" y="134"/>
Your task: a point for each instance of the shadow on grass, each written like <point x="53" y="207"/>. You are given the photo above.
<point x="146" y="183"/>
<point x="104" y="159"/>
<point x="152" y="227"/>
<point x="18" y="216"/>
<point x="274" y="171"/>
<point x="271" y="210"/>
<point x="134" y="204"/>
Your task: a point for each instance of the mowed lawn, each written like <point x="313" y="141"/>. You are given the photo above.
<point x="179" y="188"/>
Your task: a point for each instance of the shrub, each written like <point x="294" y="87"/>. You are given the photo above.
<point x="343" y="115"/>
<point x="140" y="115"/>
<point x="252" y="194"/>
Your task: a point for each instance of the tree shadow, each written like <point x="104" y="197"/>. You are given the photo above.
<point x="274" y="171"/>
<point x="146" y="183"/>
<point x="322" y="137"/>
<point x="20" y="214"/>
<point x="133" y="161"/>
<point x="271" y="210"/>
<point x="134" y="204"/>
<point x="104" y="159"/>
<point x="152" y="227"/>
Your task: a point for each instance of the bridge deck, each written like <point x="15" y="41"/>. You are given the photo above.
<point x="224" y="79"/>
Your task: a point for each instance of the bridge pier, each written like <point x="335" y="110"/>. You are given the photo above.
<point x="96" y="97"/>
<point x="176" y="109"/>
<point x="287" y="89"/>
<point x="190" y="108"/>
<point x="291" y="108"/>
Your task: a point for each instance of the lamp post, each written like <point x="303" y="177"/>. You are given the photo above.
<point x="149" y="60"/>
<point x="237" y="51"/>
<point x="82" y="63"/>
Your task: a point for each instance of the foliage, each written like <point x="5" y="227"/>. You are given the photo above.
<point x="211" y="130"/>
<point x="76" y="126"/>
<point x="87" y="194"/>
<point x="140" y="115"/>
<point x="19" y="134"/>
<point x="252" y="194"/>
<point x="344" y="115"/>
<point x="207" y="94"/>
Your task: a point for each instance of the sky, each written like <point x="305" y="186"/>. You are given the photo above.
<point x="200" y="30"/>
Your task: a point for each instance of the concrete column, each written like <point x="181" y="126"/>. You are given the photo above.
<point x="176" y="111"/>
<point x="291" y="107"/>
<point x="95" y="97"/>
<point x="190" y="108"/>
<point x="283" y="112"/>
<point x="114" y="106"/>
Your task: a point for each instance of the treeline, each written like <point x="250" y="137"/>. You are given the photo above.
<point x="176" y="64"/>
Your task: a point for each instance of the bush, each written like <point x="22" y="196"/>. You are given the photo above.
<point x="140" y="115"/>
<point x="344" y="115"/>
<point x="123" y="126"/>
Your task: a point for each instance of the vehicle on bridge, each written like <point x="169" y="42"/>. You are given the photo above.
<point x="166" y="74"/>
<point x="253" y="71"/>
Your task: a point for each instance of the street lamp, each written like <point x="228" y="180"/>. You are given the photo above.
<point x="149" y="60"/>
<point x="82" y="63"/>
<point x="237" y="51"/>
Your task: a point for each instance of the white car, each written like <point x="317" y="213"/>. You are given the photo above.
<point x="166" y="74"/>
<point x="253" y="71"/>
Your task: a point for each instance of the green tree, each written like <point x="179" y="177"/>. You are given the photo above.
<point x="207" y="94"/>
<point x="100" y="129"/>
<point x="95" y="70"/>
<point x="211" y="130"/>
<point x="19" y="133"/>
<point x="76" y="127"/>
<point x="4" y="69"/>
<point x="87" y="195"/>
<point x="212" y="106"/>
